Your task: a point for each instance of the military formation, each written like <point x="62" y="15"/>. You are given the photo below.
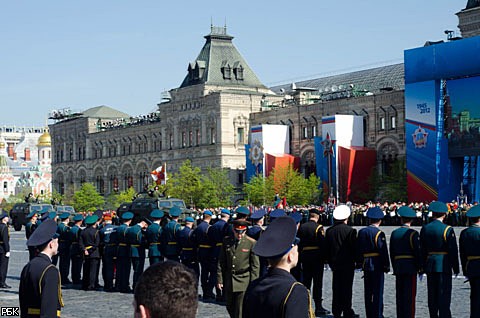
<point x="255" y="270"/>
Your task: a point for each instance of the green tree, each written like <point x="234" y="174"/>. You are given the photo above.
<point x="87" y="198"/>
<point x="259" y="191"/>
<point x="113" y="200"/>
<point x="217" y="190"/>
<point x="394" y="184"/>
<point x="186" y="184"/>
<point x="289" y="183"/>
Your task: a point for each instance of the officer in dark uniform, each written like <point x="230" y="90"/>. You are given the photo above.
<point x="169" y="235"/>
<point x="153" y="234"/>
<point x="188" y="253"/>
<point x="440" y="257"/>
<point x="217" y="232"/>
<point x="108" y="238"/>
<point x="237" y="267"/>
<point x="40" y="293"/>
<point x="89" y="244"/>
<point x="137" y="241"/>
<point x="278" y="294"/>
<point x="470" y="258"/>
<point x="4" y="249"/>
<point x="76" y="255"/>
<point x="254" y="231"/>
<point x="29" y="228"/>
<point x="52" y="215"/>
<point x="340" y="245"/>
<point x="122" y="278"/>
<point x="406" y="261"/>
<point x="208" y="268"/>
<point x="373" y="254"/>
<point x="312" y="257"/>
<point x="64" y="247"/>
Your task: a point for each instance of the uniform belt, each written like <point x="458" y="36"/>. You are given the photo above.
<point x="111" y="244"/>
<point x="122" y="244"/>
<point x="310" y="248"/>
<point x="88" y="247"/>
<point x="172" y="243"/>
<point x="187" y="249"/>
<point x="36" y="311"/>
<point x="403" y="257"/>
<point x="204" y="246"/>
<point x="219" y="244"/>
<point x="240" y="271"/>
<point x="155" y="243"/>
<point x="437" y="253"/>
<point x="135" y="245"/>
<point x="371" y="254"/>
<point x="471" y="258"/>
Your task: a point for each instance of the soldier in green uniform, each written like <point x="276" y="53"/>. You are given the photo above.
<point x="237" y="267"/>
<point x="40" y="292"/>
<point x="470" y="258"/>
<point x="153" y="234"/>
<point x="170" y="245"/>
<point x="440" y="258"/>
<point x="406" y="261"/>
<point x="136" y="239"/>
<point x="122" y="278"/>
<point x="64" y="247"/>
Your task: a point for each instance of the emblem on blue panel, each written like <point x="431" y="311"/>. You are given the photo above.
<point x="420" y="136"/>
<point x="327" y="144"/>
<point x="256" y="153"/>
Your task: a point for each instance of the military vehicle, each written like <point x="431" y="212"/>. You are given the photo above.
<point x="19" y="212"/>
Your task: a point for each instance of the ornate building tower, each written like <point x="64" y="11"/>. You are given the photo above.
<point x="469" y="19"/>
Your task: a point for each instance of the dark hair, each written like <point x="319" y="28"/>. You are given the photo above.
<point x="168" y="289"/>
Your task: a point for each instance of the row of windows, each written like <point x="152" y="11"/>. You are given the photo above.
<point x="311" y="131"/>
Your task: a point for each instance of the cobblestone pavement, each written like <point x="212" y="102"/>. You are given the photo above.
<point x="79" y="303"/>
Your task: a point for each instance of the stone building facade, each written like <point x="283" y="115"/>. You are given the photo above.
<point x="205" y="120"/>
<point x="376" y="94"/>
<point x="469" y="19"/>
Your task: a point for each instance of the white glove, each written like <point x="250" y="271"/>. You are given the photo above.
<point x="7" y="254"/>
<point x="456" y="276"/>
<point x="420" y="277"/>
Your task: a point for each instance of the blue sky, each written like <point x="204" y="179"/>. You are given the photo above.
<point x="123" y="54"/>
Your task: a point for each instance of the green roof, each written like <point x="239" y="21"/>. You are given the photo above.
<point x="104" y="112"/>
<point x="220" y="63"/>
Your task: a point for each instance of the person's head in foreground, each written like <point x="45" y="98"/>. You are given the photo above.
<point x="167" y="289"/>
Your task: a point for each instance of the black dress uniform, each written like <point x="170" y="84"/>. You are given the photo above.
<point x="75" y="253"/>
<point x="168" y="237"/>
<point x="312" y="259"/>
<point x="108" y="235"/>
<point x="64" y="248"/>
<point x="29" y="228"/>
<point x="277" y="294"/>
<point x="406" y="262"/>
<point x="89" y="244"/>
<point x="40" y="292"/>
<point x="440" y="257"/>
<point x="254" y="232"/>
<point x="188" y="253"/>
<point x="470" y="258"/>
<point x="373" y="255"/>
<point x="340" y="244"/>
<point x="4" y="250"/>
<point x="208" y="268"/>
